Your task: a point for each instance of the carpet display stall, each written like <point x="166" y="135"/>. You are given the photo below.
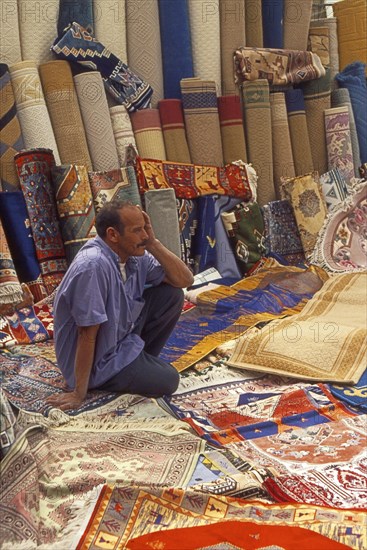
<point x="240" y="128"/>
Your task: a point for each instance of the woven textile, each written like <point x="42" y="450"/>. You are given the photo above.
<point x="308" y="203"/>
<point x="317" y="99"/>
<point x="227" y="312"/>
<point x="160" y="205"/>
<point x="352" y="31"/>
<point x="341" y="244"/>
<point x="190" y="181"/>
<point x="272" y="18"/>
<point x="9" y="39"/>
<point x="256" y="105"/>
<point x="204" y="242"/>
<point x="279" y="67"/>
<point x="199" y="100"/>
<point x="122" y="131"/>
<point x="110" y="26"/>
<point x="148" y="133"/>
<point x="254" y="24"/>
<point x="34" y="171"/>
<point x="7" y="423"/>
<point x="33" y="115"/>
<point x="297" y="17"/>
<point x="173" y="127"/>
<point x="353" y="78"/>
<point x="37" y="28"/>
<point x="80" y="46"/>
<point x="17" y="227"/>
<point x="334" y="187"/>
<point x="231" y="127"/>
<point x="225" y="259"/>
<point x="301" y="147"/>
<point x="176" y="509"/>
<point x="353" y="395"/>
<point x="61" y="98"/>
<point x="232" y="35"/>
<point x="283" y="165"/>
<point x="75" y="207"/>
<point x="11" y="135"/>
<point x="335" y="353"/>
<point x="10" y="289"/>
<point x="204" y="21"/>
<point x="96" y="119"/>
<point x="29" y="325"/>
<point x="341" y="98"/>
<point x="319" y="43"/>
<point x="144" y="44"/>
<point x="332" y="24"/>
<point x="81" y="11"/>
<point x="245" y="228"/>
<point x="338" y="141"/>
<point x="281" y="232"/>
<point x="117" y="184"/>
<point x="174" y="21"/>
<point x="188" y="221"/>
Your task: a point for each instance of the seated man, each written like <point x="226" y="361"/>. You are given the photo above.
<point x="115" y="309"/>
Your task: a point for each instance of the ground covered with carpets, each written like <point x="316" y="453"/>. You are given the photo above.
<point x="245" y="454"/>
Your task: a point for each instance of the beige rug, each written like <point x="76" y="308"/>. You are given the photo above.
<point x="174" y="133"/>
<point x="296" y="22"/>
<point x="332" y="24"/>
<point x="122" y="131"/>
<point x="148" y="134"/>
<point x="110" y="26"/>
<point x="37" y="28"/>
<point x="301" y="147"/>
<point x="254" y="23"/>
<point x="232" y="35"/>
<point x="319" y="43"/>
<point x="283" y="165"/>
<point x="9" y="36"/>
<point x="326" y="341"/>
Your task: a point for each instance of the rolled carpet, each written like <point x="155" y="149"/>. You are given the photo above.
<point x="254" y="24"/>
<point x="338" y="141"/>
<point x="148" y="134"/>
<point x="9" y="37"/>
<point x="33" y="115"/>
<point x="283" y="165"/>
<point x="173" y="127"/>
<point x="37" y="28"/>
<point x="161" y="206"/>
<point x="204" y="20"/>
<point x="297" y="17"/>
<point x="332" y="24"/>
<point x="301" y="147"/>
<point x="256" y="105"/>
<point x="117" y="184"/>
<point x="122" y="131"/>
<point x="11" y="140"/>
<point x="272" y="19"/>
<point x="232" y="36"/>
<point x="110" y="25"/>
<point x="231" y="127"/>
<point x="81" y="11"/>
<point x="61" y="98"/>
<point x="199" y="100"/>
<point x="319" y="43"/>
<point x="96" y="120"/>
<point x="144" y="49"/>
<point x="341" y="98"/>
<point x="352" y="31"/>
<point x="10" y="289"/>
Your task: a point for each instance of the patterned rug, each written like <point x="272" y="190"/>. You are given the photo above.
<point x="123" y="513"/>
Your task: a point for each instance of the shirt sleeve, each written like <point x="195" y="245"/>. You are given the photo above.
<point x="87" y="296"/>
<point x="155" y="272"/>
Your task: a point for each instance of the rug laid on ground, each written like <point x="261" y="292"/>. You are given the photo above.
<point x="326" y="341"/>
<point x="48" y="471"/>
<point x="123" y="513"/>
<point x="353" y="395"/>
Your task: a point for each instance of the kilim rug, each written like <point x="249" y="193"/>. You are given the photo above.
<point x="34" y="171"/>
<point x="353" y="395"/>
<point x="17" y="227"/>
<point x="319" y="43"/>
<point x="110" y="26"/>
<point x="232" y="35"/>
<point x="61" y="98"/>
<point x="7" y="423"/>
<point x="75" y="207"/>
<point x="231" y="127"/>
<point x="301" y="147"/>
<point x="148" y="134"/>
<point x="332" y="25"/>
<point x="156" y="511"/>
<point x="117" y="184"/>
<point x="122" y="131"/>
<point x="254" y="24"/>
<point x="297" y="17"/>
<point x="341" y="98"/>
<point x="188" y="221"/>
<point x="199" y="100"/>
<point x="279" y="67"/>
<point x="204" y="242"/>
<point x="283" y="164"/>
<point x="334" y="187"/>
<point x="338" y="141"/>
<point x="10" y="289"/>
<point x="160" y="205"/>
<point x="328" y="337"/>
<point x="37" y="29"/>
<point x="174" y="24"/>
<point x="273" y="20"/>
<point x="96" y="119"/>
<point x="225" y="259"/>
<point x="341" y="244"/>
<point x="204" y="34"/>
<point x="193" y="180"/>
<point x="69" y="12"/>
<point x="227" y="312"/>
<point x="352" y="32"/>
<point x="11" y="134"/>
<point x="173" y="127"/>
<point x="34" y="118"/>
<point x="144" y="48"/>
<point x="9" y="39"/>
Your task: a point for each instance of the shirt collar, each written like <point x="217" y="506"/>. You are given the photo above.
<point x="132" y="261"/>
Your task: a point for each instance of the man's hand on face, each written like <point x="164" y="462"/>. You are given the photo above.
<point x="65" y="401"/>
<point x="149" y="229"/>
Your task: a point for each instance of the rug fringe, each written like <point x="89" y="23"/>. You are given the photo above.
<point x="220" y="375"/>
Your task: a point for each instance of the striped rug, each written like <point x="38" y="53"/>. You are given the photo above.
<point x="148" y="133"/>
<point x="173" y="127"/>
<point x="231" y="127"/>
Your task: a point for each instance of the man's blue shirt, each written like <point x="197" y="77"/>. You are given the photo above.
<point x="93" y="292"/>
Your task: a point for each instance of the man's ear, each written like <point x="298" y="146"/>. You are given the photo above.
<point x="112" y="234"/>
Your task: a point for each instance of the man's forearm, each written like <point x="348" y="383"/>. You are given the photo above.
<point x="84" y="358"/>
<point x="177" y="272"/>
